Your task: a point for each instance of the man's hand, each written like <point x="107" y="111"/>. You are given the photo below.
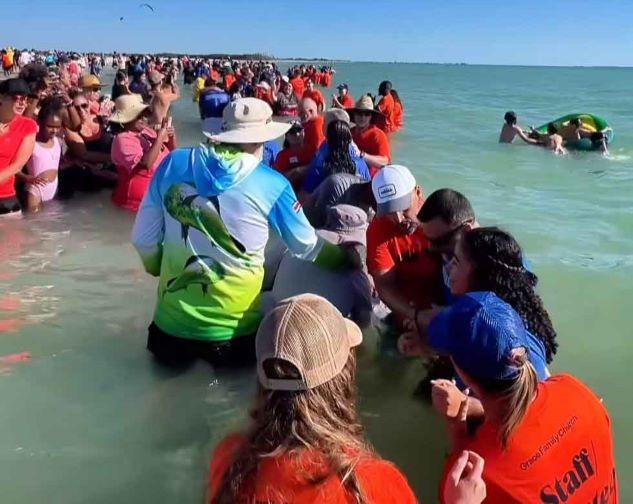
<point x="464" y="484"/>
<point x="447" y="398"/>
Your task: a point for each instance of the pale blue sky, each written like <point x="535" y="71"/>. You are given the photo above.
<point x="554" y="32"/>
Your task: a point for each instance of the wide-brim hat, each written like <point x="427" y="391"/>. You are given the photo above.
<point x="248" y="120"/>
<point x="128" y="108"/>
<point x="364" y="104"/>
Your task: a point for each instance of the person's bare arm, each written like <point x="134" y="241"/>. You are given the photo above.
<point x="148" y="160"/>
<point x="21" y="158"/>
<point x="521" y="134"/>
<point x="375" y="160"/>
<point x="391" y="294"/>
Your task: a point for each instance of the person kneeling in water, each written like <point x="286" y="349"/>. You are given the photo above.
<point x="305" y="443"/>
<point x="543" y="441"/>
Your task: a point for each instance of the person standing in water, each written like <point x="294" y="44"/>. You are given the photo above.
<point x="510" y="130"/>
<point x="202" y="229"/>
<point x="543" y="441"/>
<point x="17" y="140"/>
<point x="41" y="180"/>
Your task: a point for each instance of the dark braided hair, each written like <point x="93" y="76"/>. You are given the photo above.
<point x="498" y="267"/>
<point x="339" y="138"/>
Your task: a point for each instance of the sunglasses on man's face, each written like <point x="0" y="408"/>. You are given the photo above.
<point x="446" y="240"/>
<point x="19" y="98"/>
<point x="95" y="90"/>
<point x="82" y="105"/>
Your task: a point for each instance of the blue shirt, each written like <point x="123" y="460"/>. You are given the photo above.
<point x="212" y="103"/>
<point x="271" y="151"/>
<point x="316" y="173"/>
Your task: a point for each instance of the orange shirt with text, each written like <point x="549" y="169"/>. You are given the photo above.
<point x="562" y="451"/>
<point x="285" y="479"/>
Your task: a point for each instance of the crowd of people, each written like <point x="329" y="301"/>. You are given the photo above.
<point x="277" y="256"/>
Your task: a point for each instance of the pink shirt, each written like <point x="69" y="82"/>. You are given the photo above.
<point x="127" y="151"/>
<point x="44" y="159"/>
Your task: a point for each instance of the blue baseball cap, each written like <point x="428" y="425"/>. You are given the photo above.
<point x="342" y="86"/>
<point x="480" y="331"/>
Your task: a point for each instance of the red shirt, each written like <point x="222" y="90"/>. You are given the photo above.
<point x="418" y="271"/>
<point x="387" y="106"/>
<point x="313" y="137"/>
<point x="288" y="159"/>
<point x="347" y="101"/>
<point x="562" y="451"/>
<point x="398" y="120"/>
<point x="298" y="87"/>
<point x="317" y="96"/>
<point x="374" y="141"/>
<point x="229" y="80"/>
<point x="18" y="129"/>
<point x="286" y="479"/>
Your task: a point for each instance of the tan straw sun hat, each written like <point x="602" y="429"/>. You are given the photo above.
<point x="248" y="120"/>
<point x="127" y="108"/>
<point x="310" y="333"/>
<point x="364" y="104"/>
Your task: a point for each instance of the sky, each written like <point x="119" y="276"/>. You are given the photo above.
<point x="550" y="32"/>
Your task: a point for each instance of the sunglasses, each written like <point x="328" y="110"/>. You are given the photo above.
<point x="82" y="106"/>
<point x="19" y="98"/>
<point x="442" y="242"/>
<point x="94" y="90"/>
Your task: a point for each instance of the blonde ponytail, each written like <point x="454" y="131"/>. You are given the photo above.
<point x="518" y="398"/>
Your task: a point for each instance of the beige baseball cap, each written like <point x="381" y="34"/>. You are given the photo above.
<point x="310" y="333"/>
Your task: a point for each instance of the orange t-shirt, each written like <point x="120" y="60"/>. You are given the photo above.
<point x="347" y="101"/>
<point x="418" y="271"/>
<point x="374" y="141"/>
<point x="315" y="95"/>
<point x="284" y="479"/>
<point x="298" y="86"/>
<point x="313" y="137"/>
<point x="561" y="452"/>
<point x="387" y="106"/>
<point x="398" y="120"/>
<point x="229" y="80"/>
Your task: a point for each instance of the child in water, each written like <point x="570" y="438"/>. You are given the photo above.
<point x="551" y="140"/>
<point x="41" y="180"/>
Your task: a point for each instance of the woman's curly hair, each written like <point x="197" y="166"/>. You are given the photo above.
<point x="498" y="267"/>
<point x="339" y="160"/>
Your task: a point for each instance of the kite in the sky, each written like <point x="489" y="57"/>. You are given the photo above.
<point x="147" y="5"/>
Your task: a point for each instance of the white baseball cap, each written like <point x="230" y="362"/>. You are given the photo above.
<point x="393" y="186"/>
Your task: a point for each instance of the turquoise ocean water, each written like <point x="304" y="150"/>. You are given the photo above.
<point x="90" y="418"/>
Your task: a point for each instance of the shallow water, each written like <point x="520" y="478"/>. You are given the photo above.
<point x="88" y="417"/>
